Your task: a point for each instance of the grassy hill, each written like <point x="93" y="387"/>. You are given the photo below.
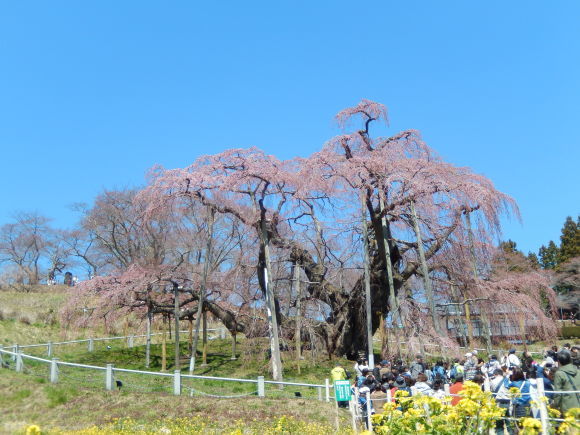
<point x="80" y="401"/>
<point x="25" y="400"/>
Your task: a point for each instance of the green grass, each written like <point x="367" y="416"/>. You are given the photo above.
<point x="24" y="401"/>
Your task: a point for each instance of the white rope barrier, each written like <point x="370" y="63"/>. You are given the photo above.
<point x="237" y="396"/>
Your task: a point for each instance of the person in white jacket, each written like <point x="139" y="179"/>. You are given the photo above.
<point x="421" y="386"/>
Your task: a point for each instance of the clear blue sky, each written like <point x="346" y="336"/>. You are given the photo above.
<point x="93" y="93"/>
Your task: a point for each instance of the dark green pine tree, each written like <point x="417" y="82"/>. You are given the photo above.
<point x="569" y="240"/>
<point x="534" y="261"/>
<point x="549" y="256"/>
<point x="509" y="247"/>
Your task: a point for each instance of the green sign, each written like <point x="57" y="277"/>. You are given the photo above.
<point x="342" y="391"/>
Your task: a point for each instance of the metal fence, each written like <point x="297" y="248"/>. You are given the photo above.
<point x="177" y="383"/>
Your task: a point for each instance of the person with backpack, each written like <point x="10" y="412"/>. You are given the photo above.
<point x="498" y="389"/>
<point x="567" y="378"/>
<point x="521" y="402"/>
<point x="438" y="372"/>
<point x="456" y="369"/>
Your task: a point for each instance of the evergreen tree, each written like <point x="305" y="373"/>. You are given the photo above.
<point x="509" y="247"/>
<point x="549" y="255"/>
<point x="533" y="260"/>
<point x="569" y="240"/>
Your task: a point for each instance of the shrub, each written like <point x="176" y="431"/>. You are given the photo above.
<point x="23" y="318"/>
<point x="476" y="412"/>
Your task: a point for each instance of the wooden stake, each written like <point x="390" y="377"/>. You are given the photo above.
<point x="163" y="346"/>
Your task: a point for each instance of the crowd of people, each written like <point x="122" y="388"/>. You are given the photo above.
<point x="557" y="371"/>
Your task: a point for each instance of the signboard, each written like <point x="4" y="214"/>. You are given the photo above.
<point x="342" y="391"/>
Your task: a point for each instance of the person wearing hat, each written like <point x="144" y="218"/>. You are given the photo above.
<point x="399" y="384"/>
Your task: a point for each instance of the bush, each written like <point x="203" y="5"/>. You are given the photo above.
<point x="476" y="412"/>
<point x="570" y="331"/>
<point x="23" y="318"/>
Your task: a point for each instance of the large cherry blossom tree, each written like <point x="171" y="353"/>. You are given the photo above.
<point x="431" y="229"/>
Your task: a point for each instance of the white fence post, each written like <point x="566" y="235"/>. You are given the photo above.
<point x="1" y="357"/>
<point x="15" y="350"/>
<point x="91" y="346"/>
<point x="542" y="406"/>
<point x="19" y="364"/>
<point x="54" y="371"/>
<point x="319" y="393"/>
<point x="109" y="378"/>
<point x="327" y="390"/>
<point x="486" y="386"/>
<point x="130" y="341"/>
<point x="49" y="349"/>
<point x="261" y="387"/>
<point x="177" y="383"/>
<point x="222" y="333"/>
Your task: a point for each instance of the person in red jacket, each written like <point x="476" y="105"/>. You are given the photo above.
<point x="455" y="388"/>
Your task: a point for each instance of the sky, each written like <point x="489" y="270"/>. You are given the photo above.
<point x="94" y="93"/>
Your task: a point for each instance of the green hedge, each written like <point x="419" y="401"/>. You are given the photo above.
<point x="570" y="331"/>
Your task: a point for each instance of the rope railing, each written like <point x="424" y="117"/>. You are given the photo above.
<point x="112" y="373"/>
<point x="120" y="337"/>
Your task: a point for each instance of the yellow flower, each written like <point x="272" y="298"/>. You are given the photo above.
<point x="530" y="426"/>
<point x="33" y="430"/>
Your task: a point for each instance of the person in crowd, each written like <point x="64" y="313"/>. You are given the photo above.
<point x="358" y="367"/>
<point x="479" y="379"/>
<point x="456" y="369"/>
<point x="534" y="395"/>
<point x="385" y="368"/>
<point x="438" y="390"/>
<point x="429" y="373"/>
<point x="527" y="362"/>
<point x="404" y="371"/>
<point x="550" y="374"/>
<point x="399" y="384"/>
<point x="364" y="393"/>
<point x="512" y="360"/>
<point x="417" y="367"/>
<point x="360" y="379"/>
<point x="377" y="371"/>
<point x="470" y="366"/>
<point x="421" y="385"/>
<point x="379" y="396"/>
<point x="491" y="366"/>
<point x="576" y="355"/>
<point x="499" y="390"/>
<point x="438" y="372"/>
<point x="521" y="401"/>
<point x="455" y="388"/>
<point x="567" y="378"/>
